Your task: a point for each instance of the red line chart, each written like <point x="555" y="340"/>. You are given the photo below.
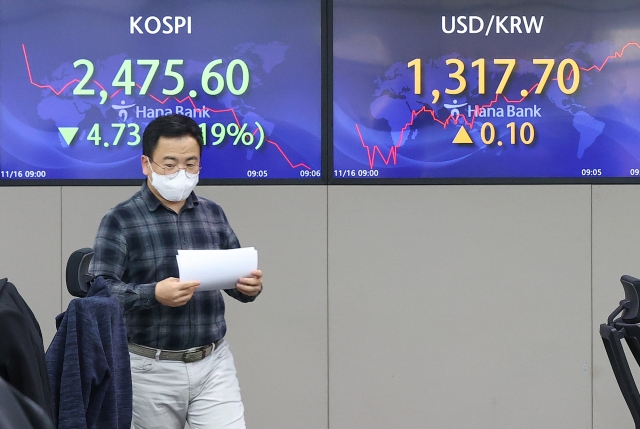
<point x="186" y="99"/>
<point x="469" y="122"/>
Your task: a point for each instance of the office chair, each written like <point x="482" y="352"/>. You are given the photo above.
<point x="77" y="276"/>
<point x="88" y="359"/>
<point x="612" y="334"/>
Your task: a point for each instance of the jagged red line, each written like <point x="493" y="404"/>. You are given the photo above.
<point x="371" y="153"/>
<point x="187" y="98"/>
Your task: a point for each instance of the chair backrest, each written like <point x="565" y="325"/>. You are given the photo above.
<point x="611" y="338"/>
<point x="612" y="334"/>
<point x="631" y="313"/>
<point x="77" y="272"/>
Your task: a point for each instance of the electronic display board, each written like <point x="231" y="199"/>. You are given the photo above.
<point x="466" y="91"/>
<point x="80" y="80"/>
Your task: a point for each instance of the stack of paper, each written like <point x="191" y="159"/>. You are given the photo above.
<point x="217" y="269"/>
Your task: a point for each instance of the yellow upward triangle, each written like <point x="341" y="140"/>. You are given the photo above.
<point x="462" y="137"/>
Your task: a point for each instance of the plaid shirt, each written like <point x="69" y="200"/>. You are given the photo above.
<point x="136" y="247"/>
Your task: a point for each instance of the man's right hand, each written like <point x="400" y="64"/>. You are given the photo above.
<point x="174" y="293"/>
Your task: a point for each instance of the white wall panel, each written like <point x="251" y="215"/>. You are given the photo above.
<point x="30" y="251"/>
<point x="82" y="211"/>
<point x="280" y="340"/>
<point x="459" y="307"/>
<point x="615" y="252"/>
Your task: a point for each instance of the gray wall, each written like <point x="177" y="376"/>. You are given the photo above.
<point x="393" y="306"/>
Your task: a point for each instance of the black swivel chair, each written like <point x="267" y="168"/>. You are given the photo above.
<point x="612" y="334"/>
<point x="77" y="277"/>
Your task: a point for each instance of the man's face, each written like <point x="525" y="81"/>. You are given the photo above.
<point x="172" y="154"/>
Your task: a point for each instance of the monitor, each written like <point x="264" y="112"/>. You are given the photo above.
<point x="80" y="80"/>
<point x="492" y="91"/>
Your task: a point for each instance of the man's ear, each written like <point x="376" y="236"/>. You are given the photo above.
<point x="146" y="170"/>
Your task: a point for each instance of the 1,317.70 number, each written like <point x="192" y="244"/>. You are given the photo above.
<point x="510" y="64"/>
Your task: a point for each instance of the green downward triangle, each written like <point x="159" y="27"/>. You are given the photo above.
<point x="68" y="133"/>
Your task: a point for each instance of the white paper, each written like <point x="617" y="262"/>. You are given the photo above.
<point x="217" y="269"/>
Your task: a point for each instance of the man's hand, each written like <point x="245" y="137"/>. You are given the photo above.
<point x="250" y="286"/>
<point x="174" y="293"/>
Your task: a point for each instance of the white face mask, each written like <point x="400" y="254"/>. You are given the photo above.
<point x="176" y="189"/>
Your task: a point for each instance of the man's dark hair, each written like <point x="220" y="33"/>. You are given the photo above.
<point x="169" y="126"/>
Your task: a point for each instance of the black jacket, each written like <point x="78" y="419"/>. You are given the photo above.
<point x="22" y="362"/>
<point x="19" y="412"/>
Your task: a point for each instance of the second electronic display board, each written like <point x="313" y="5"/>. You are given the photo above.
<point x="472" y="91"/>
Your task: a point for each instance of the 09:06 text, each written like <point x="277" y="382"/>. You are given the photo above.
<point x="309" y="173"/>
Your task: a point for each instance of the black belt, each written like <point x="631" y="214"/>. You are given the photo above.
<point x="187" y="356"/>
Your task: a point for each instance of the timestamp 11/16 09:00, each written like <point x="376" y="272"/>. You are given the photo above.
<point x="20" y="174"/>
<point x="355" y="173"/>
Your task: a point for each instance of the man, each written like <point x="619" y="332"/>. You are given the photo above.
<point x="181" y="366"/>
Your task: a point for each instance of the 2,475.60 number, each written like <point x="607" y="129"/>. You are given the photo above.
<point x="124" y="77"/>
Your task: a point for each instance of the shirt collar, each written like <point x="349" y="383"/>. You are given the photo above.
<point x="153" y="202"/>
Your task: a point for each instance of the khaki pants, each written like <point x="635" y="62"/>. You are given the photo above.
<point x="206" y="393"/>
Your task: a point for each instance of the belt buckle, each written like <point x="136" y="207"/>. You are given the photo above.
<point x="194" y="356"/>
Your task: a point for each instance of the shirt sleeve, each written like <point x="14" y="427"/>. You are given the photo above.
<point x="109" y="261"/>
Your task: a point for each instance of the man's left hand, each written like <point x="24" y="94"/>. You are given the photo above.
<point x="250" y="286"/>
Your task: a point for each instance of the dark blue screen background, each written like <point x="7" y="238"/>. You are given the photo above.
<point x="382" y="129"/>
<point x="278" y="40"/>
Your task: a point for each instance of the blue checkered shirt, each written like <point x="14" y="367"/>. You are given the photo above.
<point x="136" y="247"/>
